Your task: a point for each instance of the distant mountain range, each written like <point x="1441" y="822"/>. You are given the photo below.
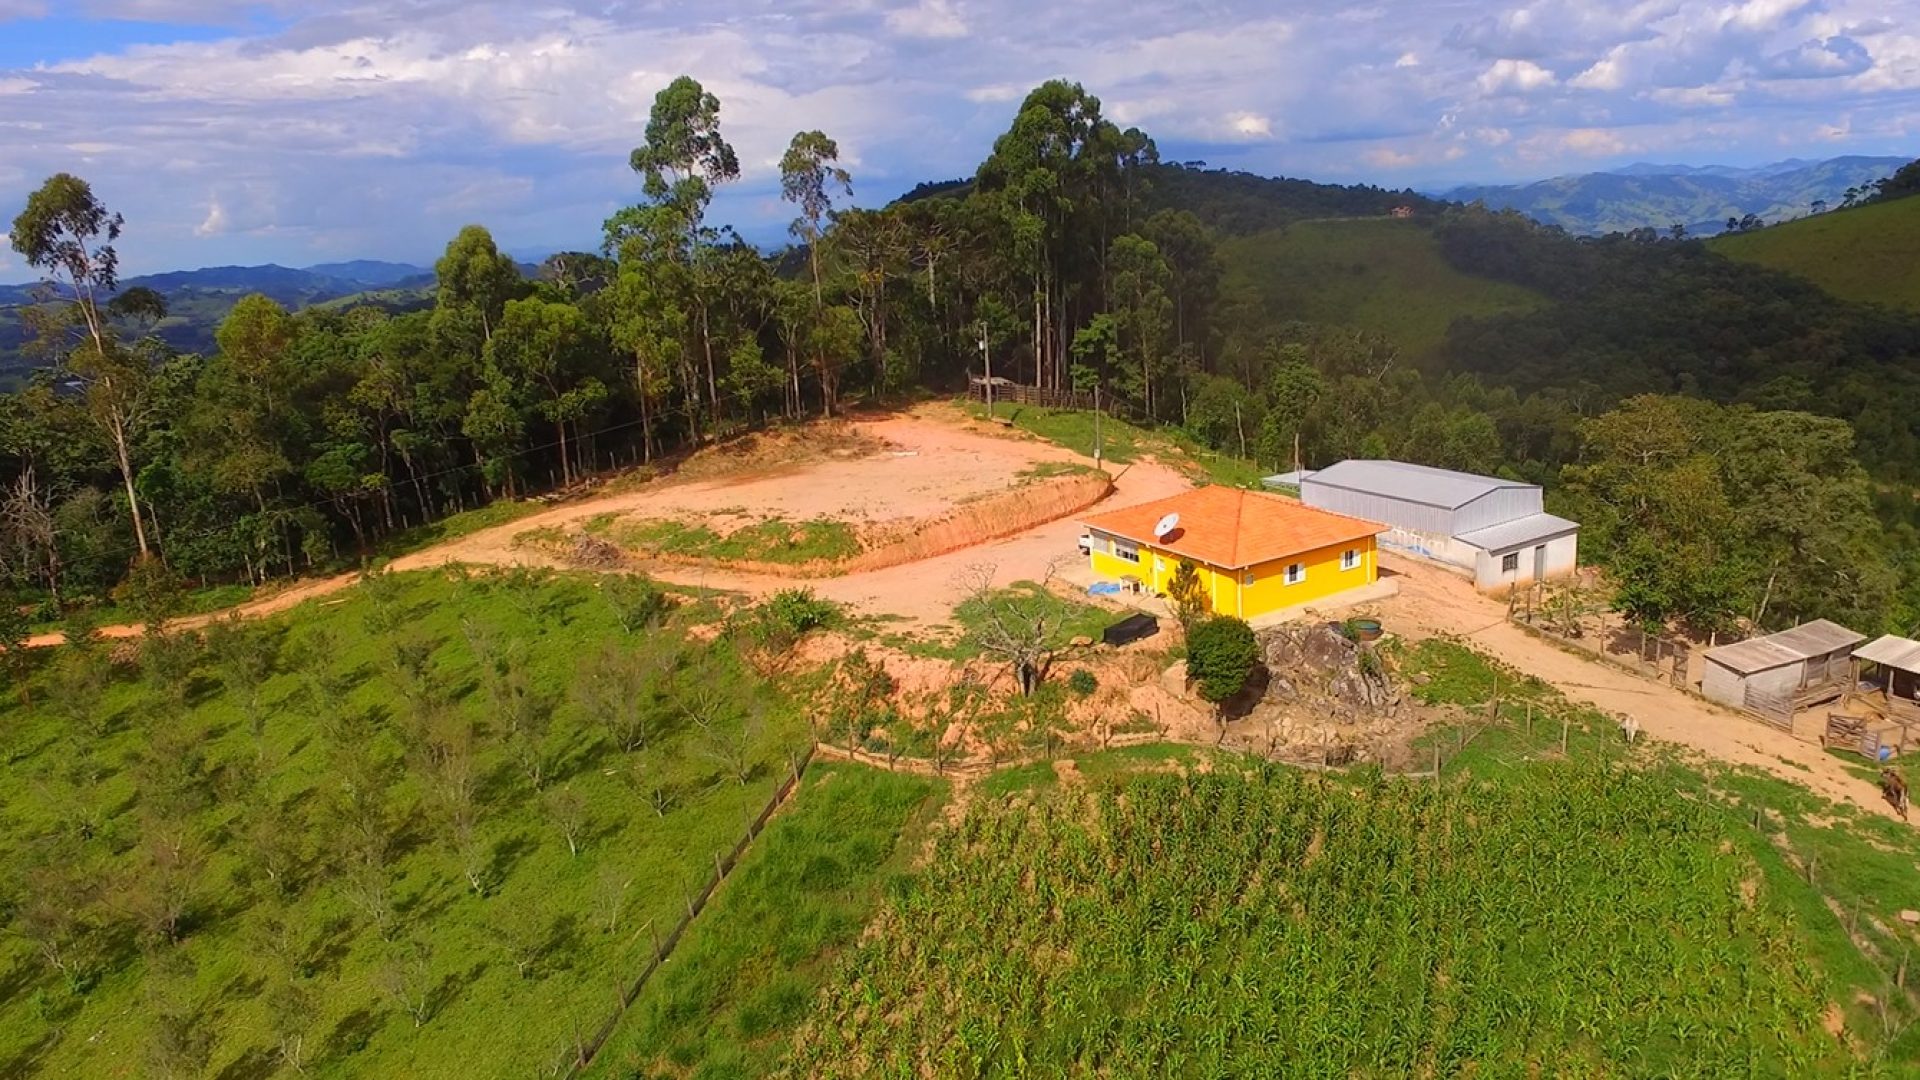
<point x="1701" y="197"/>
<point x="198" y="299"/>
<point x="286" y="284"/>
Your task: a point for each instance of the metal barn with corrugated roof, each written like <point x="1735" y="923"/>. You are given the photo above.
<point x="1497" y="529"/>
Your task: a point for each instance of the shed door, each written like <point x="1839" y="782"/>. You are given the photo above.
<point x="1540" y="562"/>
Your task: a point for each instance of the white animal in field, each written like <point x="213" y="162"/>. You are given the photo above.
<point x="1630" y="727"/>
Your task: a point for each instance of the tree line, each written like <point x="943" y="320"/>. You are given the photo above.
<point x="1072" y="258"/>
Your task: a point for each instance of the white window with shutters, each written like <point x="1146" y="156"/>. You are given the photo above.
<point x="1296" y="573"/>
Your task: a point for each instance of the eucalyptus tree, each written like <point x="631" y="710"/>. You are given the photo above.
<point x="475" y="281"/>
<point x="68" y="234"/>
<point x="550" y="346"/>
<point x="809" y="173"/>
<point x="683" y="158"/>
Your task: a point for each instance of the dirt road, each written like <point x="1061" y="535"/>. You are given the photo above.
<point x="1433" y="601"/>
<point x="933" y="459"/>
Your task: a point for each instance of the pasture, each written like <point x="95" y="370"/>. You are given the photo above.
<point x="418" y="830"/>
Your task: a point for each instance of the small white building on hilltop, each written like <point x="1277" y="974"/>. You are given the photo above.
<point x="1497" y="530"/>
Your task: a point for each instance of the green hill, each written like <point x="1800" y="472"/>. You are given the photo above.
<point x="1869" y="253"/>
<point x="1381" y="274"/>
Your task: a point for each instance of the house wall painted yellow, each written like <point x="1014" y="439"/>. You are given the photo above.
<point x="1253" y="591"/>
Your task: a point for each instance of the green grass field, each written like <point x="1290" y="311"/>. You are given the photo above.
<point x="189" y="898"/>
<point x="1869" y="253"/>
<point x="774" y="540"/>
<point x="1376" y="274"/>
<point x="752" y="964"/>
<point x="1241" y="922"/>
<point x="1122" y="443"/>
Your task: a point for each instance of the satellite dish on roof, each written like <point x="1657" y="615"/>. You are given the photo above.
<point x="1167" y="524"/>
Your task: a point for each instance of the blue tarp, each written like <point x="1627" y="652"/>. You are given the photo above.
<point x="1104" y="588"/>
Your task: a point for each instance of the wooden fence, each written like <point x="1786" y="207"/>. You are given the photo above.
<point x="696" y="903"/>
<point x="1774" y="710"/>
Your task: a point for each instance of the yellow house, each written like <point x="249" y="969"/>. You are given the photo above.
<point x="1255" y="553"/>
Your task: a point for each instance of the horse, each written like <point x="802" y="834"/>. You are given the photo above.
<point x="1894" y="787"/>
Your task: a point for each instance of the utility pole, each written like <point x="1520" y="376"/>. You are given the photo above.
<point x="987" y="358"/>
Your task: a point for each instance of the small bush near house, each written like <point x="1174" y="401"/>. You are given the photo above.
<point x="1221" y="656"/>
<point x="1082" y="682"/>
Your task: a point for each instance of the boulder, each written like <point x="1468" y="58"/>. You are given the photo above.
<point x="1910" y="916"/>
<point x="1174" y="679"/>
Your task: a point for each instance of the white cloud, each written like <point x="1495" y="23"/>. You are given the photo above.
<point x="927" y="19"/>
<point x="1834" y="56"/>
<point x="997" y="92"/>
<point x="216" y="220"/>
<point x="1696" y="97"/>
<point x="1607" y="73"/>
<point x="380" y="129"/>
<point x="1251" y="125"/>
<point x="1518" y="76"/>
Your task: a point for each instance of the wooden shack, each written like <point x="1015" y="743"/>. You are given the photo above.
<point x="1891" y="666"/>
<point x="1776" y="676"/>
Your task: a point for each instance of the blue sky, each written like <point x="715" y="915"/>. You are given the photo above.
<point x="305" y="132"/>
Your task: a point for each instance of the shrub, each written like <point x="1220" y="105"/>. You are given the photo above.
<point x="786" y="617"/>
<point x="798" y="611"/>
<point x="1221" y="656"/>
<point x="1189" y="596"/>
<point x="637" y="600"/>
<point x="1082" y="682"/>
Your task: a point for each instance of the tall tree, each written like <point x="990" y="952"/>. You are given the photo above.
<point x="809" y="173"/>
<point x="549" y="345"/>
<point x="683" y="158"/>
<point x="68" y="234"/>
<point x="475" y="283"/>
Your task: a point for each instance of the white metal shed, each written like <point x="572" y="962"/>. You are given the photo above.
<point x="1777" y="675"/>
<point x="1496" y="529"/>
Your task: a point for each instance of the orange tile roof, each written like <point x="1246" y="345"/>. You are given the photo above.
<point x="1231" y="527"/>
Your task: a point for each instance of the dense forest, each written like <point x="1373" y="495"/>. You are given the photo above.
<point x="1073" y="257"/>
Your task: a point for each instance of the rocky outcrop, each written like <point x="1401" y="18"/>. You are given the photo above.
<point x="1318" y="658"/>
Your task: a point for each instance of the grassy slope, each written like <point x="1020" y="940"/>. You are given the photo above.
<point x="1378" y="274"/>
<point x="751" y="966"/>
<point x="493" y="1022"/>
<point x="1869" y="253"/>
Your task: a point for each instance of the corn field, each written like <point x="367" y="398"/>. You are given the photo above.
<point x="1576" y="920"/>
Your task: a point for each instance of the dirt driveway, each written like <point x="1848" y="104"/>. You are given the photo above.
<point x="1433" y="602"/>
